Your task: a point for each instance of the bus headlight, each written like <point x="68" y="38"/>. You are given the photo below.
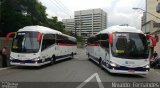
<point x="147" y="66"/>
<point x="11" y="58"/>
<point x="113" y="64"/>
<point x="36" y="59"/>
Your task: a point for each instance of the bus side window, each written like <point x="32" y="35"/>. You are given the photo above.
<point x="103" y="38"/>
<point x="48" y="40"/>
<point x="60" y="39"/>
<point x="104" y="44"/>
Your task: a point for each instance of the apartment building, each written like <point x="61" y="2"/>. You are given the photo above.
<point x="69" y="24"/>
<point x="152" y="22"/>
<point x="89" y="22"/>
<point x="150" y="17"/>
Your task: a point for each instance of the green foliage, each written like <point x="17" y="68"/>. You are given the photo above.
<point x="80" y="39"/>
<point x="55" y="24"/>
<point x="15" y="14"/>
<point x="68" y="32"/>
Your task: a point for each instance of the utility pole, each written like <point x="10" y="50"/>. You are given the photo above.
<point x="75" y="27"/>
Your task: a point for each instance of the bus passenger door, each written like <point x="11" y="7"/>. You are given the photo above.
<point x="105" y="51"/>
<point x="48" y="45"/>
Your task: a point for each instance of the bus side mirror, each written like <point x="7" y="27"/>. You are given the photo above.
<point x="9" y="35"/>
<point x="110" y="36"/>
<point x="39" y="37"/>
<point x="152" y="40"/>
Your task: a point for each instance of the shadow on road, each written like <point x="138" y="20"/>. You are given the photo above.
<point x="41" y="67"/>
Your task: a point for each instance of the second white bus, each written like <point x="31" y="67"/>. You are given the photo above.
<point x="38" y="45"/>
<point x="120" y="49"/>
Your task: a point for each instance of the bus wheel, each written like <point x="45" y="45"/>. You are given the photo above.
<point x="72" y="55"/>
<point x="89" y="58"/>
<point x="53" y="60"/>
<point x="100" y="62"/>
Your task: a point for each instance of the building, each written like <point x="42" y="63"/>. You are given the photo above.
<point x="89" y="22"/>
<point x="69" y="24"/>
<point x="151" y="15"/>
<point x="152" y="22"/>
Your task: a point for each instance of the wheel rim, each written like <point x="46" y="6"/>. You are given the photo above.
<point x="52" y="60"/>
<point x="88" y="56"/>
<point x="72" y="56"/>
<point x="100" y="63"/>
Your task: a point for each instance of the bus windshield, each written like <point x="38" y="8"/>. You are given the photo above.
<point x="129" y="46"/>
<point x="25" y="42"/>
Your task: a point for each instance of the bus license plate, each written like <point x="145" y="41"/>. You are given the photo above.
<point x="131" y="71"/>
<point x="22" y="62"/>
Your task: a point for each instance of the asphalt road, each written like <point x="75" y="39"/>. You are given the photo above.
<point x="77" y="70"/>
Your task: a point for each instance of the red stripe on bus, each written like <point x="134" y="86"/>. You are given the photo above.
<point x="63" y="44"/>
<point x="92" y="44"/>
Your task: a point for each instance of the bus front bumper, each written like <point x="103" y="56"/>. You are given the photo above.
<point x="129" y="72"/>
<point x="29" y="64"/>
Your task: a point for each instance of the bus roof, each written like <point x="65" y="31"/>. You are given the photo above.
<point x="120" y="29"/>
<point x="68" y="36"/>
<point x="41" y="29"/>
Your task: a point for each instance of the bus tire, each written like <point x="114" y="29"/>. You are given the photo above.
<point x="53" y="60"/>
<point x="89" y="58"/>
<point x="72" y="55"/>
<point x="100" y="62"/>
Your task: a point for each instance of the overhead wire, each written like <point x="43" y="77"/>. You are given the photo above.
<point x="60" y="7"/>
<point x="63" y="6"/>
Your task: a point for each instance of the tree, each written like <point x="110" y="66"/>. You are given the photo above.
<point x="16" y="14"/>
<point x="10" y="15"/>
<point x="55" y="24"/>
<point x="35" y="10"/>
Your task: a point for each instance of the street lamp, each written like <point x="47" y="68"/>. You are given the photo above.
<point x="146" y="12"/>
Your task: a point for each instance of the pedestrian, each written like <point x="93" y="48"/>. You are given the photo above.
<point x="0" y="57"/>
<point x="4" y="57"/>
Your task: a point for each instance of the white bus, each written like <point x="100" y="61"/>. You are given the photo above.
<point x="120" y="49"/>
<point x="38" y="45"/>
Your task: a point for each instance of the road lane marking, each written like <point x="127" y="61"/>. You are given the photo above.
<point x="7" y="68"/>
<point x="91" y="77"/>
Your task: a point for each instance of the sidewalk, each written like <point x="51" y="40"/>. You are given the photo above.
<point x="157" y="69"/>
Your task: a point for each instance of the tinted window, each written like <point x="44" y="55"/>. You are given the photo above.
<point x="91" y="40"/>
<point x="48" y="40"/>
<point x="129" y="45"/>
<point x="66" y="39"/>
<point x="25" y="42"/>
<point x="103" y="40"/>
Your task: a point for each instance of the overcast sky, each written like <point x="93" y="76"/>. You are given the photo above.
<point x="119" y="11"/>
